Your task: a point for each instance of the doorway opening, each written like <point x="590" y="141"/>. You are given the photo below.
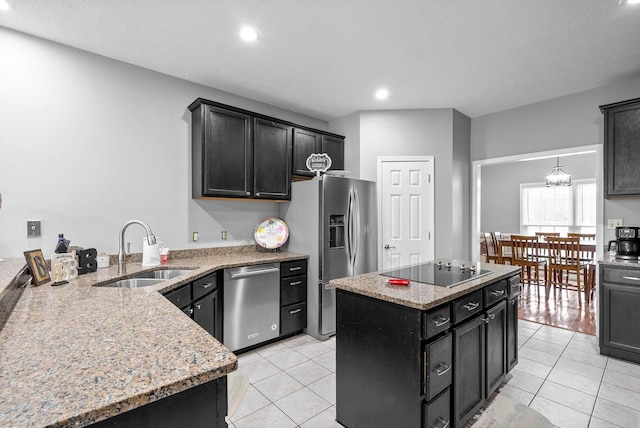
<point x="552" y="312"/>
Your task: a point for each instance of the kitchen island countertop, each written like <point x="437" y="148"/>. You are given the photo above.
<point x="419" y="295"/>
<point x="75" y="354"/>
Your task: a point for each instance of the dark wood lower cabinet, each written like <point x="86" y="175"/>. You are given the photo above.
<point x="619" y="296"/>
<point x="207" y="314"/>
<point x="469" y="369"/>
<point x="398" y="366"/>
<point x="201" y="406"/>
<point x="512" y="331"/>
<point x="496" y="346"/>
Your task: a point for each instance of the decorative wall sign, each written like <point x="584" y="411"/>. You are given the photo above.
<point x="37" y="266"/>
<point x="318" y="162"/>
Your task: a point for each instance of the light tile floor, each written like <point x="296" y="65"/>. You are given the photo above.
<point x="560" y="374"/>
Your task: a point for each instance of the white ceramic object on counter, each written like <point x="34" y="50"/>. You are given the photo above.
<point x="151" y="253"/>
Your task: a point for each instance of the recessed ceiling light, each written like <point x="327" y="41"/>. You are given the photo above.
<point x="382" y="94"/>
<point x="249" y="34"/>
<point x="630" y="1"/>
<point x="5" y="6"/>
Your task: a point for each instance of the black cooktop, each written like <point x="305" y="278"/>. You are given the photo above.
<point x="441" y="274"/>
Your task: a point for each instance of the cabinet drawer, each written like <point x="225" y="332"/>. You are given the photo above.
<point x="296" y="267"/>
<point x="622" y="276"/>
<point x="293" y="289"/>
<point x="205" y="285"/>
<point x="180" y="297"/>
<point x="514" y="285"/>
<point x="438" y="412"/>
<point x="493" y="293"/>
<point x="466" y="306"/>
<point x="293" y="318"/>
<point x="437" y="321"/>
<point x="438" y="357"/>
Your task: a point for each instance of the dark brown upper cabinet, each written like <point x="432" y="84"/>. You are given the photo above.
<point x="241" y="154"/>
<point x="222" y="155"/>
<point x="621" y="148"/>
<point x="306" y="142"/>
<point x="272" y="159"/>
<point x="334" y="147"/>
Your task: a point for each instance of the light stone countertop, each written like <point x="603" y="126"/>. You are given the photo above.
<point x="75" y="354"/>
<point x="419" y="295"/>
<point x="610" y="260"/>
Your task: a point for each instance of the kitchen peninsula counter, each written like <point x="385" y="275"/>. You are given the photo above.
<point x="76" y="354"/>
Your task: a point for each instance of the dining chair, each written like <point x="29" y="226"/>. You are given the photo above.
<point x="525" y="252"/>
<point x="589" y="257"/>
<point x="543" y="236"/>
<point x="492" y="247"/>
<point x="564" y="256"/>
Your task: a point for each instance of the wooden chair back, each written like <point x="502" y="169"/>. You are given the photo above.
<point x="492" y="246"/>
<point x="525" y="250"/>
<point x="546" y="234"/>
<point x="564" y="252"/>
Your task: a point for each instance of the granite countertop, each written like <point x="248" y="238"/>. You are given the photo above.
<point x="76" y="354"/>
<point x="420" y="295"/>
<point x="610" y="259"/>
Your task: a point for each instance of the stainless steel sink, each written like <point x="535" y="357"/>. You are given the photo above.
<point x="133" y="283"/>
<point x="162" y="274"/>
<point x="145" y="279"/>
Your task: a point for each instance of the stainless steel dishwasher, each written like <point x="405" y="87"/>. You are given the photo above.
<point x="251" y="305"/>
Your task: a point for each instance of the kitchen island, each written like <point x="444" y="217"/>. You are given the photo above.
<point x="79" y="354"/>
<point x="422" y="354"/>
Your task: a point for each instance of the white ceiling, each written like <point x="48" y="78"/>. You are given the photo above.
<point x="325" y="58"/>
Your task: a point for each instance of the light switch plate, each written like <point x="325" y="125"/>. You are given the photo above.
<point x="612" y="223"/>
<point x="33" y="228"/>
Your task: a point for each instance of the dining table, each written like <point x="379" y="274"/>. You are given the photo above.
<point x="504" y="244"/>
<point x="587" y="246"/>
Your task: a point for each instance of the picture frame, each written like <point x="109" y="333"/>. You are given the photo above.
<point x="37" y="266"/>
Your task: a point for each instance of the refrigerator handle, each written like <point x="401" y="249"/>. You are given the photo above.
<point x="350" y="231"/>
<point x="356" y="228"/>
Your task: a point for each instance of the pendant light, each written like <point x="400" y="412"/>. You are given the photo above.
<point x="558" y="177"/>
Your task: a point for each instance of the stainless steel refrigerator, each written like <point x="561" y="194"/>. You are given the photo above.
<point x="334" y="221"/>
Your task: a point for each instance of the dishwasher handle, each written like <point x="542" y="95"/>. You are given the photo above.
<point x="235" y="275"/>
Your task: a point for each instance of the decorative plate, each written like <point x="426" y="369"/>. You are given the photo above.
<point x="271" y="233"/>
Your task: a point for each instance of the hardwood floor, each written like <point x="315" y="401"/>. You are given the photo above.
<point x="563" y="311"/>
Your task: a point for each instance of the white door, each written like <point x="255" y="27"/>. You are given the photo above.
<point x="406" y="222"/>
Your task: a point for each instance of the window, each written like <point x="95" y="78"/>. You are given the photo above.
<point x="558" y="208"/>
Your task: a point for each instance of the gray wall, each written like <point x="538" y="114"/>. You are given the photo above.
<point x="442" y="133"/>
<point x="570" y="121"/>
<point x="500" y="197"/>
<point x="87" y="143"/>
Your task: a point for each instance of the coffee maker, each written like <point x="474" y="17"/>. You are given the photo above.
<point x="627" y="243"/>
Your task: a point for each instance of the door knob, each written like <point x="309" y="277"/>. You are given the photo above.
<point x="387" y="246"/>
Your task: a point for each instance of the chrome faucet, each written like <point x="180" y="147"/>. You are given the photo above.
<point x="122" y="255"/>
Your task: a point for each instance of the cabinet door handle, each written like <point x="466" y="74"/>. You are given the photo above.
<point x="471" y="306"/>
<point x="497" y="293"/>
<point x="190" y="311"/>
<point x="632" y="278"/>
<point x="442" y="321"/>
<point x="489" y="318"/>
<point x="442" y="369"/>
<point x="197" y="307"/>
<point x="295" y="283"/>
<point x="295" y="268"/>
<point x="207" y="285"/>
<point x="295" y="311"/>
<point x="445" y="424"/>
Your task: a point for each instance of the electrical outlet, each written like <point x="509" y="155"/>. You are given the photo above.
<point x="33" y="228"/>
<point x="194" y="236"/>
<point x="223" y="235"/>
<point x="612" y="223"/>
